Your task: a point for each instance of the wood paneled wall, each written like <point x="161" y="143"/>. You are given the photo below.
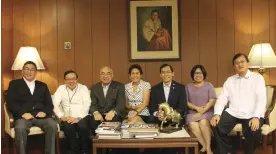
<point x="212" y="31"/>
<point x="6" y="48"/>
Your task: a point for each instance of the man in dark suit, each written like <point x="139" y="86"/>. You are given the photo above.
<point x="108" y="99"/>
<point x="30" y="102"/>
<point x="167" y="91"/>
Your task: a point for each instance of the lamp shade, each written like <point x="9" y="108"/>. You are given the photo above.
<point x="27" y="54"/>
<point x="262" y="56"/>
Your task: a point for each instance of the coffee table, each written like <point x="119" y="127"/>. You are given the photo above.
<point x="186" y="142"/>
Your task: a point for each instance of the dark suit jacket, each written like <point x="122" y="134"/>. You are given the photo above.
<point x="177" y="97"/>
<point x="20" y="100"/>
<point x="115" y="98"/>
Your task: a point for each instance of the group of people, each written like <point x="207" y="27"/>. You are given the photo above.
<point x="243" y="99"/>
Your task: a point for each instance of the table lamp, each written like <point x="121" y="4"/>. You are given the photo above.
<point x="262" y="56"/>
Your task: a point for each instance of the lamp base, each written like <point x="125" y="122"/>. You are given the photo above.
<point x="261" y="71"/>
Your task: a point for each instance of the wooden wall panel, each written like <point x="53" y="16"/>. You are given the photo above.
<point x="118" y="38"/>
<point x="32" y="26"/>
<point x="225" y="39"/>
<point x="49" y="46"/>
<point x="66" y="33"/>
<point x="260" y="25"/>
<point x="272" y="37"/>
<point x="243" y="30"/>
<point x="6" y="52"/>
<point x="100" y="36"/>
<point x="189" y="13"/>
<point x="18" y="30"/>
<point x="83" y="39"/>
<point x="210" y="31"/>
<point x="208" y="38"/>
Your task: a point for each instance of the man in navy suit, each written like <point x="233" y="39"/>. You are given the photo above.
<point x="167" y="91"/>
<point x="30" y="102"/>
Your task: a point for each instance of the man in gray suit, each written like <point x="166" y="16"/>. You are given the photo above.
<point x="108" y="99"/>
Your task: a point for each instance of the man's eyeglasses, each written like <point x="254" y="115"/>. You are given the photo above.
<point x="105" y="74"/>
<point x="166" y="72"/>
<point x="239" y="62"/>
<point x="71" y="79"/>
<point x="29" y="70"/>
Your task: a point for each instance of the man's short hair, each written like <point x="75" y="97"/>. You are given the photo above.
<point x="29" y="62"/>
<point x="238" y="55"/>
<point x="70" y="71"/>
<point x="137" y="66"/>
<point x="165" y="65"/>
<point x="201" y="67"/>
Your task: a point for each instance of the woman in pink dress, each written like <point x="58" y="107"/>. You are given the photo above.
<point x="201" y="99"/>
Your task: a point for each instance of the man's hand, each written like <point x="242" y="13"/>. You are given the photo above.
<point x="27" y="116"/>
<point x="40" y="115"/>
<point x="215" y="120"/>
<point x="196" y="116"/>
<point x="160" y="115"/>
<point x="109" y="116"/>
<point x="98" y="116"/>
<point x="72" y="120"/>
<point x="64" y="118"/>
<point x="200" y="109"/>
<point x="254" y="124"/>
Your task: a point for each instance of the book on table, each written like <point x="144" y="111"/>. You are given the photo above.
<point x="109" y="130"/>
<point x="154" y="128"/>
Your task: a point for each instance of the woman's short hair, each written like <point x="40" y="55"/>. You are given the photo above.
<point x="201" y="67"/>
<point x="137" y="66"/>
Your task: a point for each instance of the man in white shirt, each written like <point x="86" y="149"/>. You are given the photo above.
<point x="30" y="103"/>
<point x="71" y="104"/>
<point x="246" y="94"/>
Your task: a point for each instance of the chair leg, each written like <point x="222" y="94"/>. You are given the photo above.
<point x="274" y="142"/>
<point x="265" y="138"/>
<point x="57" y="143"/>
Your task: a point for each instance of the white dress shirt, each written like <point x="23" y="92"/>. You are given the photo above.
<point x="31" y="85"/>
<point x="105" y="89"/>
<point x="166" y="93"/>
<point x="167" y="90"/>
<point x="75" y="103"/>
<point x="246" y="96"/>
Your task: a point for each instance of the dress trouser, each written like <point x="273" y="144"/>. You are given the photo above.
<point x="226" y="124"/>
<point x="22" y="128"/>
<point x="82" y="128"/>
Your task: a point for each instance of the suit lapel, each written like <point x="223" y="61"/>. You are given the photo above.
<point x="100" y="92"/>
<point x="172" y="91"/>
<point x="24" y="84"/>
<point x="109" y="91"/>
<point x="162" y="92"/>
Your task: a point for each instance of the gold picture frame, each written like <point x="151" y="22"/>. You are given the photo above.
<point x="154" y="30"/>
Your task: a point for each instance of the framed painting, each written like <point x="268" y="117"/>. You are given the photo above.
<point x="154" y="30"/>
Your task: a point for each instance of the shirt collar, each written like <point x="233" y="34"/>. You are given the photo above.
<point x="29" y="82"/>
<point x="247" y="75"/>
<point x="107" y="86"/>
<point x="166" y="85"/>
<point x="74" y="88"/>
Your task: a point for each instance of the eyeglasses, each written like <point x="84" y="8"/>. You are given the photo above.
<point x="166" y="72"/>
<point x="105" y="74"/>
<point x="71" y="79"/>
<point x="198" y="73"/>
<point x="29" y="70"/>
<point x="239" y="62"/>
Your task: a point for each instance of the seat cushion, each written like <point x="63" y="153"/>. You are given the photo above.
<point x="33" y="131"/>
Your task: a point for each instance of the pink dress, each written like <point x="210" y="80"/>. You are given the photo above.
<point x="200" y="96"/>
